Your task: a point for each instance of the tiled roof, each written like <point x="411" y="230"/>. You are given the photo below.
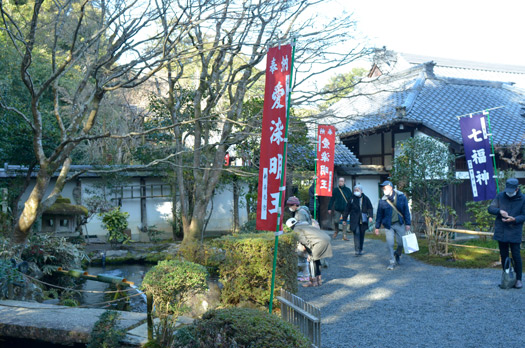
<point x="470" y="70"/>
<point x="344" y="157"/>
<point x="432" y="100"/>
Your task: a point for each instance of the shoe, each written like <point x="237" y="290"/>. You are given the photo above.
<point x="357" y="254"/>
<point x="344" y="238"/>
<point x="311" y="283"/>
<point x="334" y="236"/>
<point x="390" y="267"/>
<point x="518" y="284"/>
<point x="397" y="256"/>
<point x="360" y="252"/>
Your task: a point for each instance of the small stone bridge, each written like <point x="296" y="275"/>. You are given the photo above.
<point x="64" y="325"/>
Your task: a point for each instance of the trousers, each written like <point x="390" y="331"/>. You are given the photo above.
<point x="393" y="234"/>
<point x="359" y="237"/>
<point x="516" y="256"/>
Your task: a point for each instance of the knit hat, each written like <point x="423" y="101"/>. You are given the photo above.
<point x="293" y="201"/>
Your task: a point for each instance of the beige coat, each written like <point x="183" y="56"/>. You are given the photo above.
<point x="314" y="239"/>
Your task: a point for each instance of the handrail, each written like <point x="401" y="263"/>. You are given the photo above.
<point x="477" y="233"/>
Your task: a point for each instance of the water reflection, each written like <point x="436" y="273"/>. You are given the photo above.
<point x="134" y="273"/>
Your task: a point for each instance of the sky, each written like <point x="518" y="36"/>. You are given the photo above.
<point x="482" y="30"/>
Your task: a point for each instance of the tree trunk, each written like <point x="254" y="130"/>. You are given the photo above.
<point x="31" y="207"/>
<point x="193" y="232"/>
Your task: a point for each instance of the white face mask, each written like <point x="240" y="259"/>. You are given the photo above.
<point x="511" y="194"/>
<point x="357" y="193"/>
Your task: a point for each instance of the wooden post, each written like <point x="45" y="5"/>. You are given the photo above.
<point x="143" y="214"/>
<point x="446" y="243"/>
<point x="149" y="308"/>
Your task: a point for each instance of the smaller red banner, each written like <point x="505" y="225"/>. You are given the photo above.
<point x="325" y="160"/>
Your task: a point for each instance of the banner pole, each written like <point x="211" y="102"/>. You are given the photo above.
<point x="315" y="180"/>
<point x="496" y="174"/>
<point x="281" y="187"/>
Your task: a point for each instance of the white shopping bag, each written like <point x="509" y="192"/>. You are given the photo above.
<point x="410" y="243"/>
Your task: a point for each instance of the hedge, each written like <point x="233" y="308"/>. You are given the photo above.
<point x="246" y="272"/>
<point x="242" y="328"/>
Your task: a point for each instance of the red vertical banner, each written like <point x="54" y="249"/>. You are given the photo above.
<point x="271" y="167"/>
<point x="325" y="160"/>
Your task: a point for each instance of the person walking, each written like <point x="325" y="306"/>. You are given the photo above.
<point x="300" y="213"/>
<point x="340" y="198"/>
<point x="393" y="213"/>
<point x="361" y="213"/>
<point x="314" y="242"/>
<point x="509" y="208"/>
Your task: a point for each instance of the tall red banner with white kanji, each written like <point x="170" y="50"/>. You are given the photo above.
<point x="278" y="67"/>
<point x="325" y="160"/>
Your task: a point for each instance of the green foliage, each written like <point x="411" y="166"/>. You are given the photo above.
<point x="172" y="282"/>
<point x="106" y="333"/>
<point x="153" y="233"/>
<point x="423" y="168"/>
<point x="163" y="333"/>
<point x="48" y="251"/>
<point x="249" y="226"/>
<point x="247" y="270"/>
<point x="45" y="252"/>
<point x="115" y="222"/>
<point x="8" y="276"/>
<point x="340" y="85"/>
<point x="204" y="254"/>
<point x="240" y="327"/>
<point x="483" y="220"/>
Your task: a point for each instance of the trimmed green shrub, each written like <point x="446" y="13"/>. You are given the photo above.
<point x="172" y="282"/>
<point x="240" y="327"/>
<point x="204" y="254"/>
<point x="246" y="273"/>
<point x="115" y="222"/>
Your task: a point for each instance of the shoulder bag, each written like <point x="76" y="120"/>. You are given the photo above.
<point x="508" y="277"/>
<point x="410" y="244"/>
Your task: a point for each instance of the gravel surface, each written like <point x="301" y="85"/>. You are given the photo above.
<point x="415" y="305"/>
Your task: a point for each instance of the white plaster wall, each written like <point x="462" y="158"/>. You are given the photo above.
<point x="222" y="214"/>
<point x="158" y="210"/>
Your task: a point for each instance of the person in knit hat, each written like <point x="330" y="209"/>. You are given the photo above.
<point x="300" y="213"/>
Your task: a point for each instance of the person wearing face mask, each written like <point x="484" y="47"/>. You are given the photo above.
<point x="361" y="213"/>
<point x="300" y="213"/>
<point x="340" y="198"/>
<point x="393" y="213"/>
<point x="509" y="208"/>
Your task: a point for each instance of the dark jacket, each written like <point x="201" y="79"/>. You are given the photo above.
<point x="313" y="198"/>
<point x="384" y="211"/>
<point x="509" y="232"/>
<point x="356" y="206"/>
<point x="338" y="202"/>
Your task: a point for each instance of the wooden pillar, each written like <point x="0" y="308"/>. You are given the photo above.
<point x="143" y="212"/>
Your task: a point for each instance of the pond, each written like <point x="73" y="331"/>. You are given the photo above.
<point x="134" y="273"/>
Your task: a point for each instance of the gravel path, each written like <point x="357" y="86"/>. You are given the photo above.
<point x="416" y="305"/>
